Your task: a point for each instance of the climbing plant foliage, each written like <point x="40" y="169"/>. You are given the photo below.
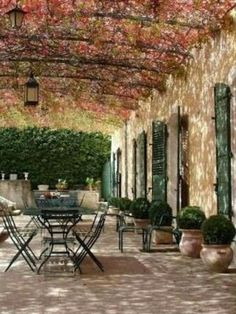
<point x="49" y="155"/>
<point x="96" y="59"/>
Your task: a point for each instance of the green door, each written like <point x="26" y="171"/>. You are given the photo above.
<point x="223" y="148"/>
<point x="159" y="161"/>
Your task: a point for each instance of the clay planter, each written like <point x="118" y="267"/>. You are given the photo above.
<point x="217" y="257"/>
<point x="191" y="242"/>
<point x="113" y="210"/>
<point x="141" y="223"/>
<point x="43" y="187"/>
<point x="164" y="237"/>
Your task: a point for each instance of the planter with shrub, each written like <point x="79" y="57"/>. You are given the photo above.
<point x="189" y="221"/>
<point x="140" y="211"/>
<point x="161" y="216"/>
<point x="218" y="233"/>
<point x="114" y="205"/>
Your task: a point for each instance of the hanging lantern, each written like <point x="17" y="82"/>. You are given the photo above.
<point x="16" y="16"/>
<point x="31" y="91"/>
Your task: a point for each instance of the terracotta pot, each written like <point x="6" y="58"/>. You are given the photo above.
<point x="191" y="242"/>
<point x="217" y="257"/>
<point x="113" y="210"/>
<point x="164" y="237"/>
<point x="141" y="223"/>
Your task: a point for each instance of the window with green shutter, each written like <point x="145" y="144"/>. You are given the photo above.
<point x="159" y="161"/>
<point x="223" y="148"/>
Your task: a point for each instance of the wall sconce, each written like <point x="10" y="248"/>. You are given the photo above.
<point x="16" y="16"/>
<point x="31" y="91"/>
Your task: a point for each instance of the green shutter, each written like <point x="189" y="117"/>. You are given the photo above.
<point x="113" y="174"/>
<point x="159" y="162"/>
<point x="134" y="188"/>
<point x="118" y="173"/>
<point x="223" y="148"/>
<point x="106" y="181"/>
<point x="142" y="165"/>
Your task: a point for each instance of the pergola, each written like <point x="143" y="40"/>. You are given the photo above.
<point x="96" y="59"/>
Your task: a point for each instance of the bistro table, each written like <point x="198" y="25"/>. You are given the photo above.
<point x="60" y="224"/>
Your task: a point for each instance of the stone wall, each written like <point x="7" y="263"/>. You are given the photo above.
<point x="193" y="93"/>
<point x="17" y="191"/>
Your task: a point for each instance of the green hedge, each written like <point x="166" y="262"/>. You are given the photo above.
<point x="52" y="154"/>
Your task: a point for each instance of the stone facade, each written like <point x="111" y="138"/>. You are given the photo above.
<point x="214" y="62"/>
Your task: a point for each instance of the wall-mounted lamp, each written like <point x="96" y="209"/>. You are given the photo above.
<point x="31" y="91"/>
<point x="16" y="16"/>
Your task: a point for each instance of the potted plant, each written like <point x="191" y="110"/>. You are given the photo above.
<point x="140" y="211"/>
<point x="114" y="205"/>
<point x="189" y="221"/>
<point x="218" y="233"/>
<point x="61" y="185"/>
<point x="125" y="204"/>
<point x="161" y="217"/>
<point x="43" y="187"/>
<point x="90" y="183"/>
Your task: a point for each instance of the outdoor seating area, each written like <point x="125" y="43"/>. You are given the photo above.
<point x="118" y="156"/>
<point x="132" y="282"/>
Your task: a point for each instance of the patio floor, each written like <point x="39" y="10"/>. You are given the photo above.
<point x="133" y="282"/>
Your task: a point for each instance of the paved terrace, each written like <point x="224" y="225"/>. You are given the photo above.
<point x="133" y="282"/>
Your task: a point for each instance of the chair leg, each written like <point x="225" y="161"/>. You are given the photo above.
<point x="26" y="255"/>
<point x="121" y="241"/>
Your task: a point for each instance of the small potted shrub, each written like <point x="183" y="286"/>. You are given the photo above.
<point x="140" y="211"/>
<point x="124" y="204"/>
<point x="160" y="214"/>
<point x="218" y="233"/>
<point x="114" y="205"/>
<point x="189" y="221"/>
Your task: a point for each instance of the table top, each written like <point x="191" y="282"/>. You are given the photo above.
<point x="38" y="211"/>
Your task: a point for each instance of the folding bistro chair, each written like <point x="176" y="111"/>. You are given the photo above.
<point x="21" y="237"/>
<point x="86" y="240"/>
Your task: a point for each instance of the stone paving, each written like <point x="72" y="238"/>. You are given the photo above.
<point x="133" y="282"/>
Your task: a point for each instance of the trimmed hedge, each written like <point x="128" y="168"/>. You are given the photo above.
<point x="52" y="154"/>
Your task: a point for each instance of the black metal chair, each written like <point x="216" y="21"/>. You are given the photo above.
<point x="86" y="239"/>
<point x="21" y="237"/>
<point x="124" y="227"/>
<point x="159" y="226"/>
<point x="58" y="223"/>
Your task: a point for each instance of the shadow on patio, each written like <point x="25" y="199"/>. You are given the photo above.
<point x="133" y="282"/>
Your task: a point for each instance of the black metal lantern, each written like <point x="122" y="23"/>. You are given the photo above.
<point x="16" y="16"/>
<point x="31" y="91"/>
